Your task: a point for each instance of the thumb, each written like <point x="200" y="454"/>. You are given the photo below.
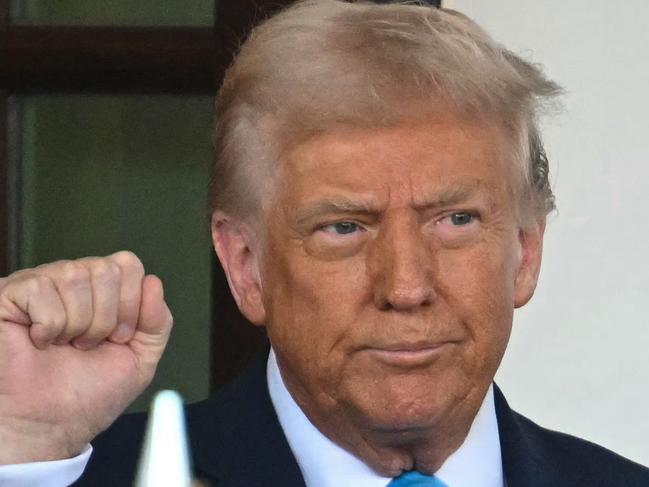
<point x="154" y="323"/>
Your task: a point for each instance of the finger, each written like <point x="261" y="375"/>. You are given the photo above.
<point x="72" y="280"/>
<point x="105" y="277"/>
<point x="155" y="317"/>
<point x="10" y="312"/>
<point x="132" y="272"/>
<point x="154" y="325"/>
<point x="38" y="297"/>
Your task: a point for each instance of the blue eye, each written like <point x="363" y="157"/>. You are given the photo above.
<point x="462" y="218"/>
<point x="344" y="228"/>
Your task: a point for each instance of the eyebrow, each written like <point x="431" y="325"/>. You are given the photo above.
<point x="451" y="196"/>
<point x="342" y="205"/>
<point x="338" y="205"/>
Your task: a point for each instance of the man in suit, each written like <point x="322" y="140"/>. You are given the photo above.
<point x="378" y="204"/>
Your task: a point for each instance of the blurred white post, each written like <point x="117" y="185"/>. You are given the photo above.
<point x="165" y="453"/>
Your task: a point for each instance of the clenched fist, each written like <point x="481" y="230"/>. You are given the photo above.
<point x="79" y="341"/>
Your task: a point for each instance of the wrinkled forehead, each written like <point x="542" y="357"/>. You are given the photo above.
<point x="296" y="152"/>
<point x="434" y="160"/>
<point x="431" y="127"/>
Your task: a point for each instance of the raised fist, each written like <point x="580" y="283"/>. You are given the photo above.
<point x="79" y="341"/>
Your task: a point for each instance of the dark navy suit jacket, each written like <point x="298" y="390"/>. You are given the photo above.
<point x="237" y="441"/>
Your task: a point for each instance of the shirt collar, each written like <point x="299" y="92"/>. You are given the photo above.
<point x="477" y="463"/>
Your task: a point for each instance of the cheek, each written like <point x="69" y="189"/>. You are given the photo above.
<point x="475" y="278"/>
<point x="479" y="287"/>
<point x="313" y="305"/>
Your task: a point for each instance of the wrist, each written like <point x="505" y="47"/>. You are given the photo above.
<point x="30" y="442"/>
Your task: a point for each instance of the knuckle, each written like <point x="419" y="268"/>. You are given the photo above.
<point x="129" y="261"/>
<point x="36" y="285"/>
<point x="105" y="271"/>
<point x="73" y="274"/>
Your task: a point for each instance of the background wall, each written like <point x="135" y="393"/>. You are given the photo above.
<point x="100" y="173"/>
<point x="579" y="356"/>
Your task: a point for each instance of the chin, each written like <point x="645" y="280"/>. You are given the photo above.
<point x="408" y="407"/>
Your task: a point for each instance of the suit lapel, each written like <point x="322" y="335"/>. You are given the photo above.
<point x="237" y="439"/>
<point x="529" y="457"/>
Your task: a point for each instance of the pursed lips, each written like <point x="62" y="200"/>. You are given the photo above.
<point x="409" y="354"/>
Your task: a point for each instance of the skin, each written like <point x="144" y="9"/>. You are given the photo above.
<point x="79" y="341"/>
<point x="392" y="261"/>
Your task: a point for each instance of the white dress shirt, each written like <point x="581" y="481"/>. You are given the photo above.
<point x="58" y="473"/>
<point x="477" y="463"/>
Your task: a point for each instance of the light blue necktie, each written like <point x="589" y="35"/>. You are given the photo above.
<point x="416" y="479"/>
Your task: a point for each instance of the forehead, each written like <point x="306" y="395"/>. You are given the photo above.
<point x="413" y="161"/>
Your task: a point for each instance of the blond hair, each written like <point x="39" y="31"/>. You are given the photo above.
<point x="321" y="63"/>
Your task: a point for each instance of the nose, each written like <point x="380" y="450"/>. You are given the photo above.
<point x="400" y="263"/>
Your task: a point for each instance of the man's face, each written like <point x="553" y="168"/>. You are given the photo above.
<point x="391" y="271"/>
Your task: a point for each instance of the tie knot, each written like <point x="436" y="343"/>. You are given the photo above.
<point x="416" y="479"/>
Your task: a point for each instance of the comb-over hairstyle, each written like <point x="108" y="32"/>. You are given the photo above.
<point x="320" y="64"/>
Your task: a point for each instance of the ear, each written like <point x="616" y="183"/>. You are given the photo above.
<point x="235" y="246"/>
<point x="529" y="267"/>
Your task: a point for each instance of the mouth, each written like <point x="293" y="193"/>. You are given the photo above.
<point x="409" y="355"/>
